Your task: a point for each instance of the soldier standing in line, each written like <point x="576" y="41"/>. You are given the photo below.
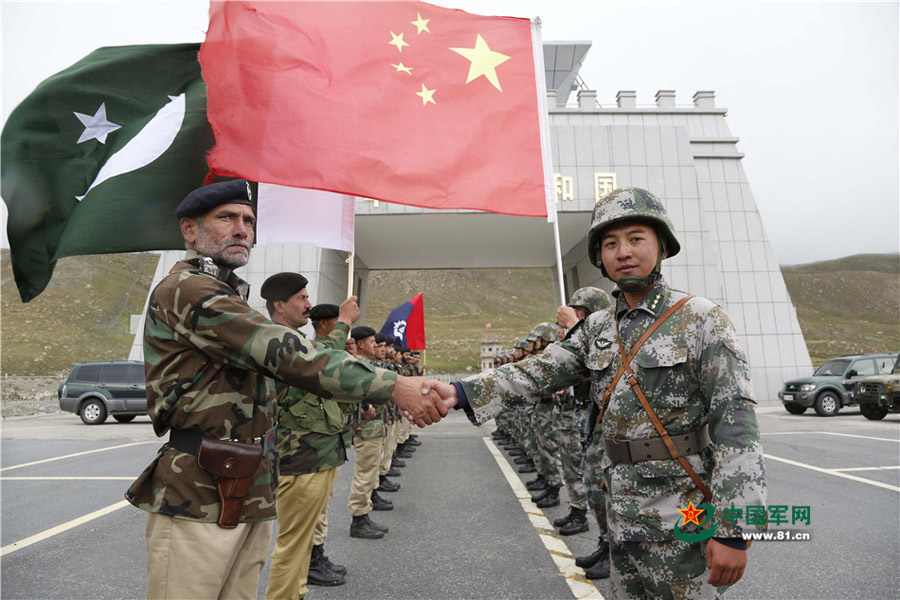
<point x="209" y="357"/>
<point x="368" y="442"/>
<point x="385" y="485"/>
<point x="322" y="571"/>
<point x="573" y="411"/>
<point x="309" y="444"/>
<point x="676" y="410"/>
<point x="546" y="432"/>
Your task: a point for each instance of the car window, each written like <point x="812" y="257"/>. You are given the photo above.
<point x="136" y="374"/>
<point x="833" y="367"/>
<point x="864" y="367"/>
<point x="114" y="374"/>
<point x="87" y="373"/>
<point x="884" y="364"/>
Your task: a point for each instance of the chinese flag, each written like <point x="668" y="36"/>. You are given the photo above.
<point x="403" y="102"/>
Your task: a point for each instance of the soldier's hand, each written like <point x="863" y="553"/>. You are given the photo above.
<point x="445" y="391"/>
<point x="418" y="403"/>
<point x="726" y="564"/>
<point x="369" y="413"/>
<point x="565" y="317"/>
<point x="349" y="311"/>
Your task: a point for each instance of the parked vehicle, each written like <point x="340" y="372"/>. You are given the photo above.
<point x="833" y="385"/>
<point x="94" y="390"/>
<point x="879" y="394"/>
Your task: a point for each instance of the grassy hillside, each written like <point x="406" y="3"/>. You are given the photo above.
<point x="84" y="314"/>
<point x="847" y="306"/>
<point x="844" y="306"/>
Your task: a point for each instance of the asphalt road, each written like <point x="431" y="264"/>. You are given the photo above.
<point x="458" y="529"/>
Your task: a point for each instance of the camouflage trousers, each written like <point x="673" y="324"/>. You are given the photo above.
<point x="593" y="477"/>
<point x="547" y="439"/>
<point x="529" y="437"/>
<point x="670" y="570"/>
<point x="571" y="453"/>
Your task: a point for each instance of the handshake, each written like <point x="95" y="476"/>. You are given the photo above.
<point x="424" y="401"/>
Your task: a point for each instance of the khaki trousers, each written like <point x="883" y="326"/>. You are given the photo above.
<point x="194" y="560"/>
<point x="299" y="501"/>
<point x="367" y="455"/>
<point x="321" y="531"/>
<point x="405" y="430"/>
<point x="387" y="451"/>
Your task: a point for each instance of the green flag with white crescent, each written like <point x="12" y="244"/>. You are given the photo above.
<point x="96" y="159"/>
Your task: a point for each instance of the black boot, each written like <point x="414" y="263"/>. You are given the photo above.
<point x="413" y="442"/>
<point x="563" y="521"/>
<point x="386" y="485"/>
<point x="577" y="524"/>
<point x="537" y="484"/>
<point x="396" y="463"/>
<point x="600" y="569"/>
<point x="374" y="525"/>
<point x="585" y="562"/>
<point x="379" y="503"/>
<point x="393" y="473"/>
<point x="319" y="573"/>
<point x="340" y="569"/>
<point x="361" y="527"/>
<point x="400" y="453"/>
<point x="551" y="498"/>
<point x="521" y="460"/>
<point x="516" y="452"/>
<point x="527" y="468"/>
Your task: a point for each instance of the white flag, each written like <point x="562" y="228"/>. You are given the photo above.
<point x="288" y="215"/>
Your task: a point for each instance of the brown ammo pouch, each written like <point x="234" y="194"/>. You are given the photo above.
<point x="232" y="465"/>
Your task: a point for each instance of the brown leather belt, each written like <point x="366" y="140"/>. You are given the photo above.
<point x="631" y="451"/>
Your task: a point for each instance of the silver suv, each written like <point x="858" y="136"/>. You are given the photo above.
<point x="94" y="390"/>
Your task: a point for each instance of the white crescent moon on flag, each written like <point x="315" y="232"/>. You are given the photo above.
<point x="149" y="144"/>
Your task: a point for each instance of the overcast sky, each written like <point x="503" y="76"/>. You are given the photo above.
<point x="811" y="88"/>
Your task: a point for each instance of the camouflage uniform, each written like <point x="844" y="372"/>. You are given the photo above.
<point x="694" y="374"/>
<point x="546" y="432"/>
<point x="209" y="357"/>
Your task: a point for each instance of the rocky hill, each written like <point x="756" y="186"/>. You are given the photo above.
<point x="845" y="306"/>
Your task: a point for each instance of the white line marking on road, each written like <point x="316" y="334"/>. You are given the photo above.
<point x="46" y="460"/>
<point x="866" y="469"/>
<point x="864" y="437"/>
<point x="581" y="587"/>
<point x="10" y="548"/>
<point x="67" y="478"/>
<point x="834" y="472"/>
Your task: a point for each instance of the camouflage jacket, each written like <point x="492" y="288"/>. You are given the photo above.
<point x="375" y="427"/>
<point x="693" y="373"/>
<point x="308" y="437"/>
<point x="209" y="357"/>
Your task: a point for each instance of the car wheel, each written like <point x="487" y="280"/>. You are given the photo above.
<point x="827" y="404"/>
<point x="93" y="412"/>
<point x="795" y="409"/>
<point x="873" y="412"/>
<point x="124" y="418"/>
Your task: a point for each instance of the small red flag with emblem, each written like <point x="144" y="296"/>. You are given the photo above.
<point x="404" y="102"/>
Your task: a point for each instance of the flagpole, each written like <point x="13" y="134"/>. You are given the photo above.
<point x="544" y="121"/>
<point x="349" y="262"/>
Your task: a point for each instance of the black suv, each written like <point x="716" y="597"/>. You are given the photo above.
<point x="833" y="384"/>
<point x="94" y="390"/>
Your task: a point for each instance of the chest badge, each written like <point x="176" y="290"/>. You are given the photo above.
<point x="603" y="344"/>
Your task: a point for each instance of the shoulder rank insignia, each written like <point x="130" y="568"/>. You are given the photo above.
<point x="208" y="267"/>
<point x="603" y="344"/>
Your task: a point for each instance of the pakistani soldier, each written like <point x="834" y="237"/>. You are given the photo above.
<point x="310" y="447"/>
<point x="676" y="410"/>
<point x="208" y="357"/>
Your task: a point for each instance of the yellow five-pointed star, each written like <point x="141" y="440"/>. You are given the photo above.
<point x="397" y="40"/>
<point x="401" y="67"/>
<point x="484" y="61"/>
<point x="426" y="95"/>
<point x="421" y="24"/>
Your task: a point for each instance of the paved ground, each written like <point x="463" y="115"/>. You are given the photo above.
<point x="460" y="529"/>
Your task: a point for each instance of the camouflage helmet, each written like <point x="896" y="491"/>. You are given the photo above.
<point x="630" y="203"/>
<point x="590" y="298"/>
<point x="522" y="344"/>
<point x="547" y="331"/>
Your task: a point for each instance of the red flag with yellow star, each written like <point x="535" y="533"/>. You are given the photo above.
<point x="404" y="102"/>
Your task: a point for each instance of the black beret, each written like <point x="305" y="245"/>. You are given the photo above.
<point x="236" y="191"/>
<point x="282" y="286"/>
<point x="320" y="312"/>
<point x="380" y="338"/>
<point x="404" y="349"/>
<point x="361" y="332"/>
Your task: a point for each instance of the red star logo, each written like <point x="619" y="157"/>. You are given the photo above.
<point x="690" y="514"/>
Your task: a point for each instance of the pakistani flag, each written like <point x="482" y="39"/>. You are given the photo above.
<point x="96" y="159"/>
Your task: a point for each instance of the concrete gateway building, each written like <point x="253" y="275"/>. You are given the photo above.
<point x="684" y="153"/>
